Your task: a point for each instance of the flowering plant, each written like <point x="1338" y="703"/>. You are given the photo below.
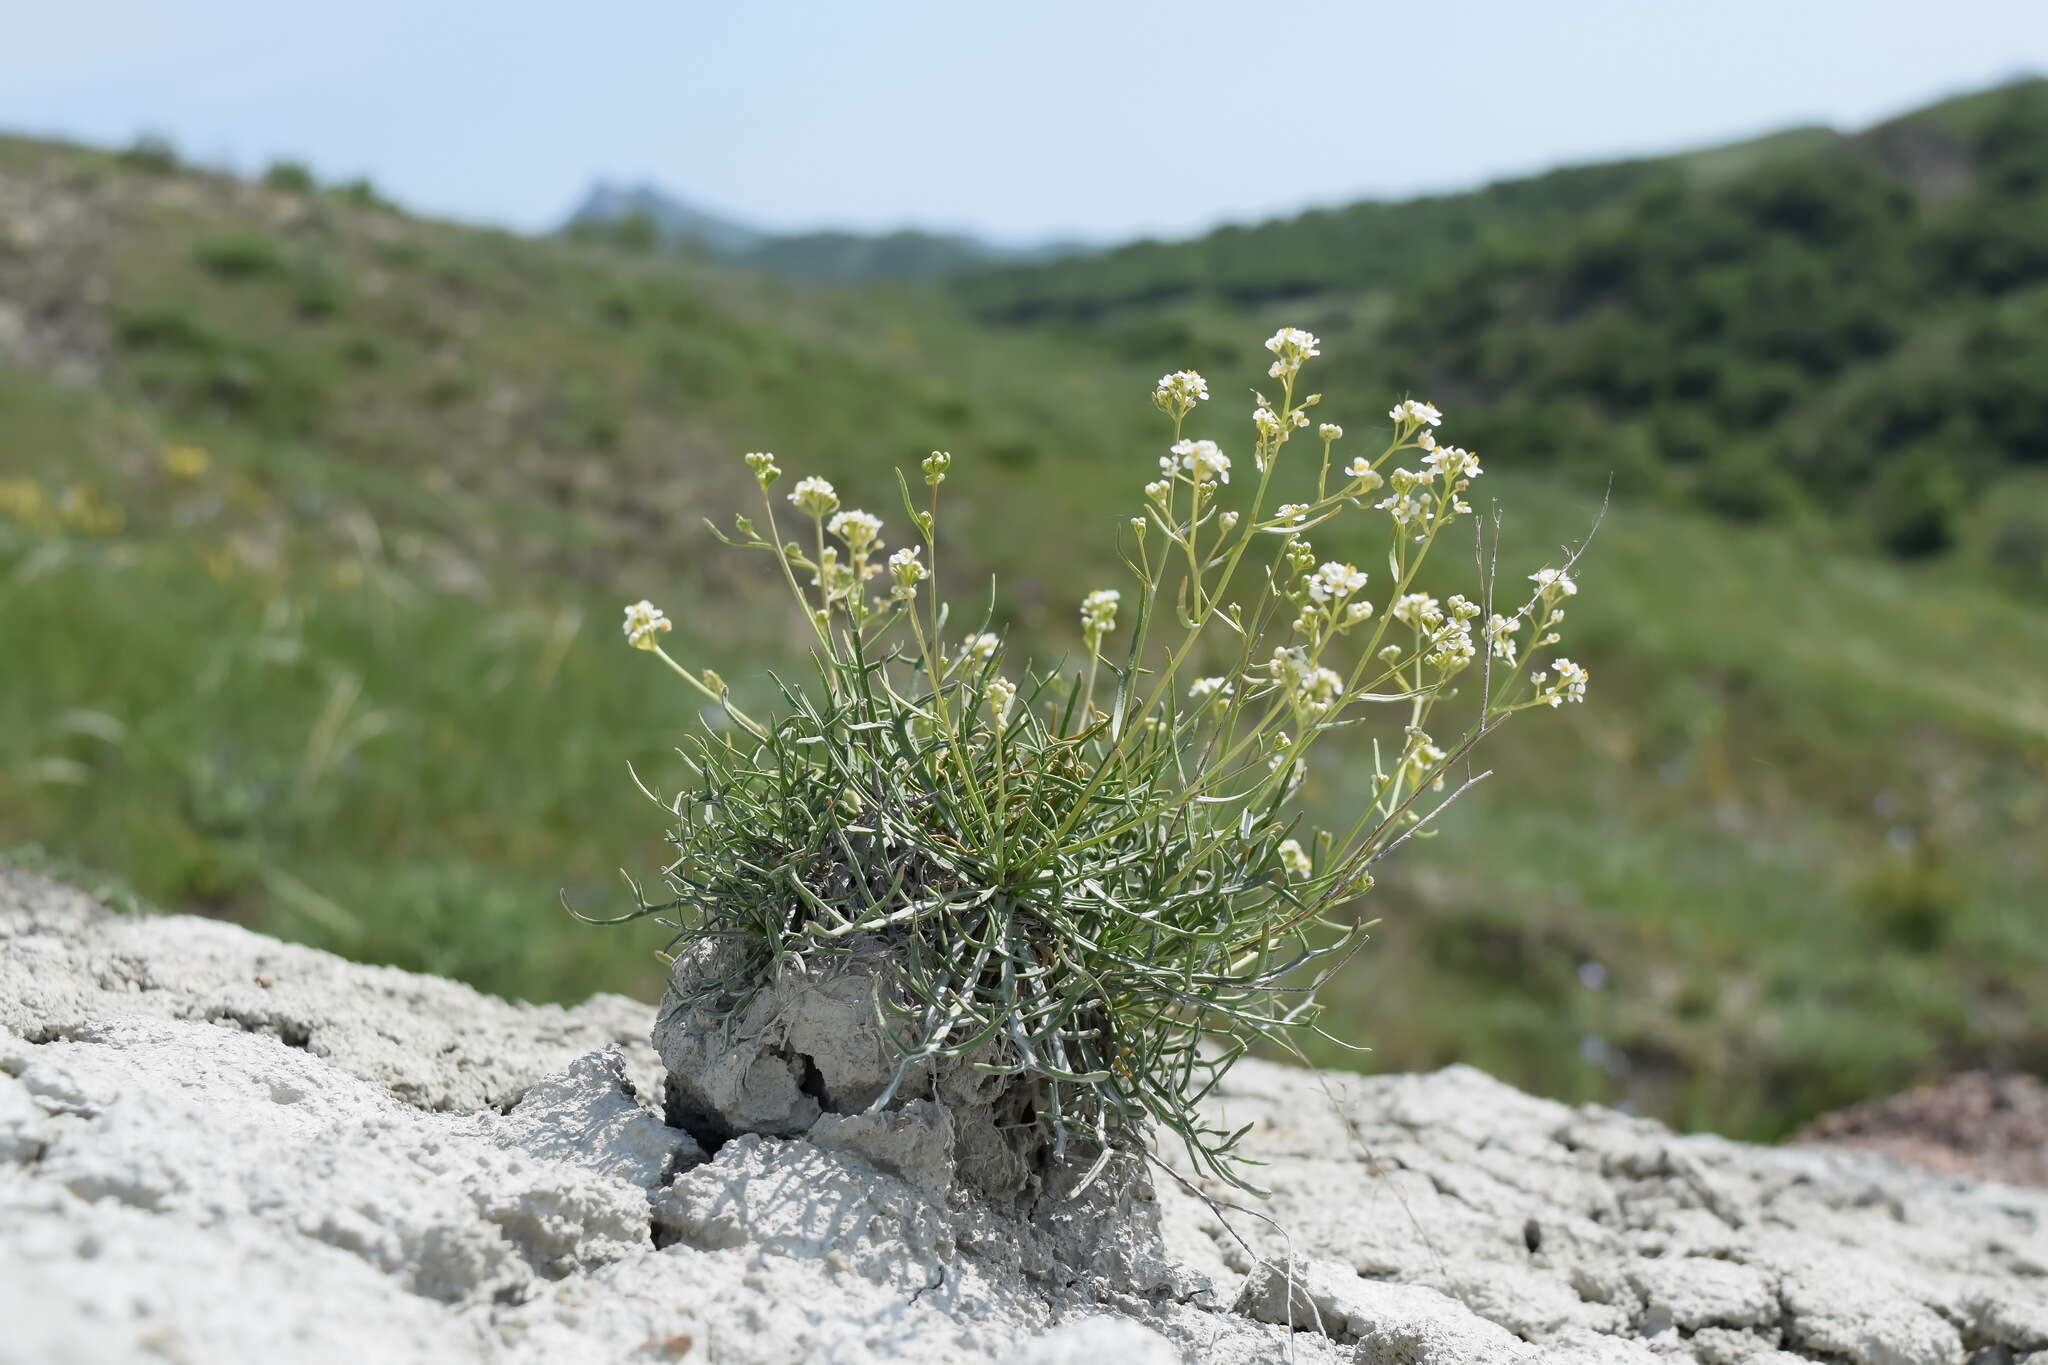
<point x="1099" y="878"/>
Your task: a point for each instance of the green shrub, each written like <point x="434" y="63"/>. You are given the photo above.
<point x="152" y="152"/>
<point x="168" y="327"/>
<point x="238" y="256"/>
<point x="181" y="360"/>
<point x="318" y="293"/>
<point x="362" y="192"/>
<point x="1099" y="877"/>
<point x="293" y="177"/>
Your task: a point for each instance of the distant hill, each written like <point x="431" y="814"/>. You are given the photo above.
<point x="1849" y="329"/>
<point x="645" y="217"/>
<point x="674" y="221"/>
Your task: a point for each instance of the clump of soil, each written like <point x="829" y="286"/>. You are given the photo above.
<point x="1983" y="1124"/>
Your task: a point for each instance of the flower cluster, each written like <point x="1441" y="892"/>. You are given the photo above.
<point x="1451" y="463"/>
<point x="1203" y="460"/>
<point x="186" y="462"/>
<point x="1408" y="414"/>
<point x="1178" y="393"/>
<point x="644" y="621"/>
<point x="1408" y="502"/>
<point x="1290" y="347"/>
<point x="1570" y="684"/>
<point x="1500" y="636"/>
<point x="1364" y="478"/>
<point x="857" y="528"/>
<point x="1001" y="695"/>
<point x="1418" y="609"/>
<point x="1335" y="582"/>
<point x="1312" y="689"/>
<point x="1098" y="616"/>
<point x="1450" y="645"/>
<point x="1271" y="425"/>
<point x="814" y="497"/>
<point x="906" y="571"/>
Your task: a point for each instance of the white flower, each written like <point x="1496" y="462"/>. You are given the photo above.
<point x="980" y="648"/>
<point x="1418" y="609"/>
<point x="1207" y="689"/>
<point x="1001" y="695"/>
<point x="1334" y="582"/>
<point x="1182" y="388"/>
<point x="1408" y="410"/>
<point x="1500" y="636"/>
<point x="1552" y="584"/>
<point x="1356" y="612"/>
<point x="1451" y="647"/>
<point x="1291" y="346"/>
<point x="1203" y="461"/>
<point x="644" y="621"/>
<point x="1294" y="861"/>
<point x="1426" y="439"/>
<point x="1403" y="506"/>
<point x="907" y="570"/>
<point x="1329" y="431"/>
<point x="1098" y="614"/>
<point x="1312" y="688"/>
<point x="857" y="528"/>
<point x="813" y="497"/>
<point x="1361" y="472"/>
<point x="1291" y="511"/>
<point x="1270" y="423"/>
<point x="1158" y="489"/>
<point x="763" y="465"/>
<point x="1570" y="685"/>
<point x="1228" y="522"/>
<point x="1451" y="462"/>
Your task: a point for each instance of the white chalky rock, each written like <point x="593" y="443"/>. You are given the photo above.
<point x="805" y="1057"/>
<point x="216" y="1147"/>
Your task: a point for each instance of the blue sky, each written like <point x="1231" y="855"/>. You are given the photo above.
<point x="1099" y="120"/>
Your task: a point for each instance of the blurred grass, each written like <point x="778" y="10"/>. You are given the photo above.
<point x="352" y="675"/>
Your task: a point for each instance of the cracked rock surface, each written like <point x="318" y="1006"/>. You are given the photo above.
<point x="216" y="1147"/>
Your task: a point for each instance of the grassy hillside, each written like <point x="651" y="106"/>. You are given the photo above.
<point x="315" y="520"/>
<point x="1849" y="332"/>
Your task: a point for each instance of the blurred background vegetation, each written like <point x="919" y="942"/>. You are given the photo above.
<point x="315" y="519"/>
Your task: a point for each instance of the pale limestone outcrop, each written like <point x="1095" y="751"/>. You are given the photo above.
<point x="218" y="1147"/>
